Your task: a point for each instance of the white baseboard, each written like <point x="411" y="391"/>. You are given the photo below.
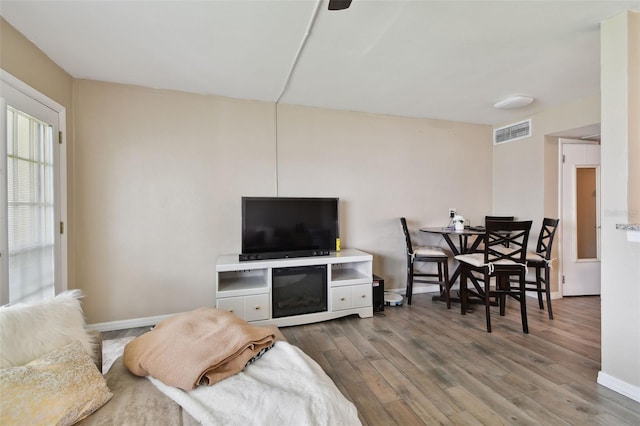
<point x="617" y="385"/>
<point x="124" y="324"/>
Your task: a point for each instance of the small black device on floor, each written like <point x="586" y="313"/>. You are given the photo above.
<point x="378" y="294"/>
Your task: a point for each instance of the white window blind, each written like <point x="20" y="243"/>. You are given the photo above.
<point x="30" y="207"/>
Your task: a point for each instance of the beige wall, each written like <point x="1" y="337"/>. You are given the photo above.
<point x="620" y="257"/>
<point x="159" y="176"/>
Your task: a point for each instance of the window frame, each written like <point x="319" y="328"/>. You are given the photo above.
<point x="8" y="81"/>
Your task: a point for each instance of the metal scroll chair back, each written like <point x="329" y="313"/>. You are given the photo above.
<point x="425" y="255"/>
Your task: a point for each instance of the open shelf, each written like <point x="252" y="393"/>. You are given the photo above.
<point x="348" y="276"/>
<point x="350" y="273"/>
<point x="243" y="280"/>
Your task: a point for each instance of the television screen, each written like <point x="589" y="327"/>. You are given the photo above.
<point x="278" y="227"/>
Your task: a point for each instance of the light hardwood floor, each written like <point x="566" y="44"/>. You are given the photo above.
<point x="424" y="364"/>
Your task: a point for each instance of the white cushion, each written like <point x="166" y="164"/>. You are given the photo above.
<point x="30" y="330"/>
<point x="475" y="259"/>
<point x="502" y="249"/>
<point x="429" y="251"/>
<point x="534" y="257"/>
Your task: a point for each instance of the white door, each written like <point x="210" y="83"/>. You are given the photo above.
<point x="580" y="218"/>
<point x="32" y="195"/>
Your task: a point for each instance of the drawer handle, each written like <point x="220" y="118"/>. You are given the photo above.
<point x="230" y="310"/>
<point x="257" y="308"/>
<point x="342" y="299"/>
<point x="363" y="296"/>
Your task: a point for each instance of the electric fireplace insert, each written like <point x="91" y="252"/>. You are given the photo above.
<point x="299" y="290"/>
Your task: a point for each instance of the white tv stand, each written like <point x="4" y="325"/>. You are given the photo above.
<point x="244" y="288"/>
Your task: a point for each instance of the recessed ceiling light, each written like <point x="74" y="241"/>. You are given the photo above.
<point x="513" y="102"/>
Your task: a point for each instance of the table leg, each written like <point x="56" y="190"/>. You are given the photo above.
<point x="462" y="248"/>
<point x="456" y="273"/>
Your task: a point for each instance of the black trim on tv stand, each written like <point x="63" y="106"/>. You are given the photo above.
<point x="282" y="254"/>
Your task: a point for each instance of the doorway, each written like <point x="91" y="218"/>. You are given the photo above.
<point x="580" y="204"/>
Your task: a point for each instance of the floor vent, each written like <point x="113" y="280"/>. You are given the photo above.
<point x="512" y="132"/>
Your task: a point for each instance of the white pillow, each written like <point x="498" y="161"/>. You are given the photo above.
<point x="30" y="330"/>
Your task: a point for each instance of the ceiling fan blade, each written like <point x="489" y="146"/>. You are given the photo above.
<point x="339" y="4"/>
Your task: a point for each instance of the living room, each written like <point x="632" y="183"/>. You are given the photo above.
<point x="155" y="178"/>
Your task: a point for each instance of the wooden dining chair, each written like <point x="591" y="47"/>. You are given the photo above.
<point x="541" y="260"/>
<point x="425" y="255"/>
<point x="503" y="257"/>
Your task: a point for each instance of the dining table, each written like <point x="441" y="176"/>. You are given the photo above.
<point x="467" y="240"/>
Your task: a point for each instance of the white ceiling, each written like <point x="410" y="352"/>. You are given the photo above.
<point x="448" y="60"/>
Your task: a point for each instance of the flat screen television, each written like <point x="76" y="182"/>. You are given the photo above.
<point x="281" y="227"/>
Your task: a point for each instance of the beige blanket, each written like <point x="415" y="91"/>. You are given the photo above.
<point x="198" y="347"/>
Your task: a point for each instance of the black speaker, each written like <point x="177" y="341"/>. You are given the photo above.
<point x="378" y="294"/>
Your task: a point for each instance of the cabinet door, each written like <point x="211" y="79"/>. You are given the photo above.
<point x="361" y="295"/>
<point x="256" y="307"/>
<point x="234" y="305"/>
<point x="340" y="298"/>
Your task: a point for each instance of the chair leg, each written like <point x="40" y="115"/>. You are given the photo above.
<point x="539" y="287"/>
<point x="502" y="282"/>
<point x="547" y="289"/>
<point x="463" y="291"/>
<point x="523" y="303"/>
<point x="447" y="285"/>
<point x="409" y="292"/>
<point x="440" y="276"/>
<point x="487" y="301"/>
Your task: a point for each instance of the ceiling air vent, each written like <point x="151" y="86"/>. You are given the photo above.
<point x="512" y="132"/>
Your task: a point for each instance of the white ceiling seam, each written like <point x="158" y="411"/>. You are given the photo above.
<point x="300" y="49"/>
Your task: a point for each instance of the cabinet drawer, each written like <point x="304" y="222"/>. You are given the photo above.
<point x="249" y="308"/>
<point x="340" y="298"/>
<point x="256" y="307"/>
<point x="347" y="297"/>
<point x="234" y="305"/>
<point x="361" y="295"/>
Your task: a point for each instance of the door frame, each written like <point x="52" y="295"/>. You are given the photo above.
<point x="560" y="245"/>
<point x="62" y="267"/>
